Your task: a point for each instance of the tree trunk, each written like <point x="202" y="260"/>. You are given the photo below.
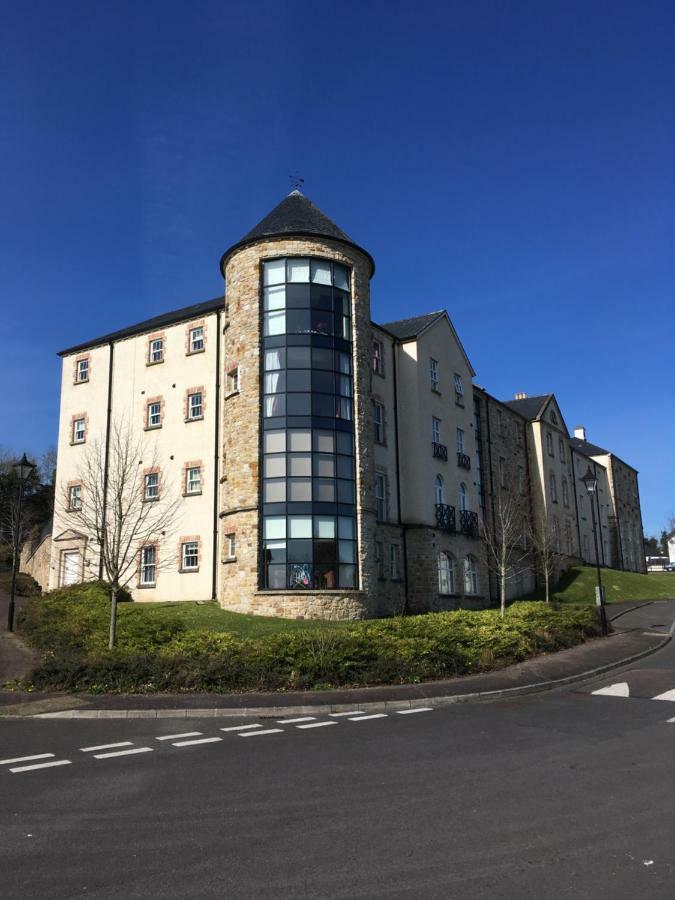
<point x="113" y="616"/>
<point x="502" y="594"/>
<point x="547" y="582"/>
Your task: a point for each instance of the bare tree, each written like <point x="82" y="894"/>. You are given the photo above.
<point x="505" y="540"/>
<point x="47" y="465"/>
<point x="115" y="511"/>
<point x="546" y="546"/>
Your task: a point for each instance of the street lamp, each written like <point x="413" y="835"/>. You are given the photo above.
<point x="23" y="470"/>
<point x="591" y="484"/>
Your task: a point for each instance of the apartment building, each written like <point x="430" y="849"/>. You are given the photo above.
<point x="325" y="465"/>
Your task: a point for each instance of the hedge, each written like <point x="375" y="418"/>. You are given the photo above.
<point x="71" y="628"/>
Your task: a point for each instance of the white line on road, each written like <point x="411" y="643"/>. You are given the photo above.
<point x="353" y="712"/>
<point x="374" y="716"/>
<point x="240" y="727"/>
<point x="316" y="725"/>
<point x="620" y="689"/>
<point x="409" y="712"/>
<point x="174" y="737"/>
<point x="671" y="720"/>
<point x="210" y="740"/>
<point x="123" y="752"/>
<point x="293" y="721"/>
<point x="47" y="765"/>
<point x="667" y="695"/>
<point x="256" y="733"/>
<point x="7" y="762"/>
<point x="106" y="746"/>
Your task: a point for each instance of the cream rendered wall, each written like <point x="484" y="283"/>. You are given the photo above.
<point x="175" y="443"/>
<point x="418" y="403"/>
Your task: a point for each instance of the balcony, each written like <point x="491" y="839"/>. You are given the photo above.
<point x="463" y="461"/>
<point x="445" y="517"/>
<point x="468" y="522"/>
<point x="439" y="451"/>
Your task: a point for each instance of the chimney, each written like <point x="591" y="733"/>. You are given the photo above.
<point x="580" y="432"/>
<point x="521" y="395"/>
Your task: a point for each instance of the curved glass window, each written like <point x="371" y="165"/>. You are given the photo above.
<point x="308" y="472"/>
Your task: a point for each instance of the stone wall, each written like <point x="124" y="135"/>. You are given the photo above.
<point x="35" y="561"/>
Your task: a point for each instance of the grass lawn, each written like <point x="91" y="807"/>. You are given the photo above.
<point x="578" y="586"/>
<point x="209" y="615"/>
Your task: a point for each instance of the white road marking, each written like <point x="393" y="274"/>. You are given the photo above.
<point x="47" y="765"/>
<point x="173" y="737"/>
<point x="7" y="762"/>
<point x="316" y="725"/>
<point x="123" y="752"/>
<point x="671" y="720"/>
<point x="620" y="689"/>
<point x="256" y="733"/>
<point x="106" y="746"/>
<point x="374" y="716"/>
<point x="210" y="740"/>
<point x="293" y="721"/>
<point x="354" y="712"/>
<point x="667" y="695"/>
<point x="409" y="712"/>
<point x="240" y="727"/>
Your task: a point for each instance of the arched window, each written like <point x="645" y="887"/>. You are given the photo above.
<point x="554" y="488"/>
<point x="549" y="443"/>
<point x="438" y="489"/>
<point x="566" y="493"/>
<point x="446" y="573"/>
<point x="462" y="496"/>
<point x="470" y="576"/>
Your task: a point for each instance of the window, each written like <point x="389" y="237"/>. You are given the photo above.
<point x="438" y="490"/>
<point x="231" y="545"/>
<point x="561" y="449"/>
<point x="380" y="496"/>
<point x="565" y="492"/>
<point x="433" y="373"/>
<point x="460" y="440"/>
<point x="193" y="480"/>
<point x="521" y="480"/>
<point x="502" y="472"/>
<point x="379" y="559"/>
<point x="190" y="556"/>
<point x="75" y="497"/>
<point x="446" y="574"/>
<point x="435" y="430"/>
<point x="195" y="406"/>
<point x="462" y="497"/>
<point x="393" y="562"/>
<point x="376" y="359"/>
<point x="459" y="389"/>
<point x="553" y="488"/>
<point x="156" y="352"/>
<point x="378" y="421"/>
<point x="79" y="430"/>
<point x="148" y="566"/>
<point x="233" y="381"/>
<point x="82" y="370"/>
<point x="470" y="576"/>
<point x="154" y="414"/>
<point x="553" y="418"/>
<point x="152" y="486"/>
<point x="196" y="339"/>
<point x="549" y="443"/>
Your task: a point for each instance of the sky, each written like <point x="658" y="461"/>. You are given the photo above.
<point x="513" y="163"/>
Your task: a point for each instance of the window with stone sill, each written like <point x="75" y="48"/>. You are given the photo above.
<point x="233" y="381"/>
<point x="195" y="406"/>
<point x="75" y="497"/>
<point x="446" y="573"/>
<point x="433" y="374"/>
<point x="380" y="496"/>
<point x="190" y="556"/>
<point x="148" y="566"/>
<point x="82" y="371"/>
<point x="230" y="545"/>
<point x="470" y="576"/>
<point x="193" y="480"/>
<point x="435" y="430"/>
<point x="377" y="357"/>
<point x="459" y="389"/>
<point x="378" y="421"/>
<point x="79" y="431"/>
<point x="196" y="340"/>
<point x="156" y="351"/>
<point x="154" y="415"/>
<point x="151" y="491"/>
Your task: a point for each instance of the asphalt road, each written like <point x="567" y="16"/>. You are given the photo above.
<point x="565" y="794"/>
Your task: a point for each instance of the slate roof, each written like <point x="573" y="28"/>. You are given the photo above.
<point x="406" y="329"/>
<point x="529" y="407"/>
<point x="296" y="215"/>
<point x="587" y="448"/>
<point x="153" y="324"/>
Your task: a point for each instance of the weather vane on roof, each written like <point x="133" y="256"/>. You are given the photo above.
<point x="296" y="182"/>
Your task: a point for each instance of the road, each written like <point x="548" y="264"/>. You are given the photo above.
<point x="565" y="794"/>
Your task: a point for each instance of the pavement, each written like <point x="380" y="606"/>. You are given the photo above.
<point x="639" y="630"/>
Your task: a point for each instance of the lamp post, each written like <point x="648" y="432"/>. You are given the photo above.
<point x="24" y="468"/>
<point x="591" y="484"/>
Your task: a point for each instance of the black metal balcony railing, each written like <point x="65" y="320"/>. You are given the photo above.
<point x="468" y="522"/>
<point x="463" y="460"/>
<point x="440" y="451"/>
<point x="445" y="517"/>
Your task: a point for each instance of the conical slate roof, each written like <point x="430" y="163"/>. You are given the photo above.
<point x="295" y="216"/>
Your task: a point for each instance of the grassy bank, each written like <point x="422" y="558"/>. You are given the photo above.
<point x="578" y="586"/>
<point x="201" y="648"/>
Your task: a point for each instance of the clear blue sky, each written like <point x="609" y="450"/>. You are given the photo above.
<point x="512" y="162"/>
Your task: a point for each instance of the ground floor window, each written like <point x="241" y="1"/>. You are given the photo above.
<point x="470" y="576"/>
<point x="190" y="556"/>
<point x="446" y="574"/>
<point x="148" y="566"/>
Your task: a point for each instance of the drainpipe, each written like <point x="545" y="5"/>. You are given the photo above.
<point x="106" y="461"/>
<point x="406" y="604"/>
<point x="216" y="467"/>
